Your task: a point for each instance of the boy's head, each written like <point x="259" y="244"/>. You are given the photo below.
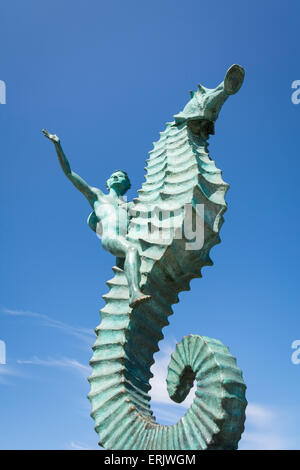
<point x="119" y="180"/>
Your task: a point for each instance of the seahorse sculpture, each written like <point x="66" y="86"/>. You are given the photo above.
<point x="156" y="260"/>
<point x="181" y="178"/>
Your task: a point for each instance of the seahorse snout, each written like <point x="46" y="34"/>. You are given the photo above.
<point x="234" y="79"/>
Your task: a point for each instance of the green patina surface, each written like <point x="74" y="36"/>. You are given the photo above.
<point x="150" y="273"/>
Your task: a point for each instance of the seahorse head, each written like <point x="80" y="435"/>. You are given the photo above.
<point x="206" y="103"/>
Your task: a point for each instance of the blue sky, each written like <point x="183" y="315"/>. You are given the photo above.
<point x="106" y="76"/>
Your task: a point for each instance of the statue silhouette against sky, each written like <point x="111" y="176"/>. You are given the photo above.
<point x="110" y="216"/>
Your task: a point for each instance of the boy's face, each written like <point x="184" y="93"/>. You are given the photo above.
<point x="119" y="181"/>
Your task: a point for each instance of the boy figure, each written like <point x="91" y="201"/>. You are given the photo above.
<point x="111" y="212"/>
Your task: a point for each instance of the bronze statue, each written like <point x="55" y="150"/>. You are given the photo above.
<point x="181" y="180"/>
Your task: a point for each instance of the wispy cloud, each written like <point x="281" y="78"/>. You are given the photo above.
<point x="63" y="362"/>
<point x="259" y="415"/>
<point x="78" y="446"/>
<point x="265" y="441"/>
<point x="85" y="334"/>
<point x="266" y="429"/>
<point x="6" y="372"/>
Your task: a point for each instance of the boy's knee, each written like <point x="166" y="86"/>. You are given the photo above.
<point x="132" y="250"/>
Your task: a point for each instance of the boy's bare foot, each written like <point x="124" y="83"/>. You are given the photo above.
<point x="138" y="299"/>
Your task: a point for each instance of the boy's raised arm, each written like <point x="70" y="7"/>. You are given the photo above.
<point x="89" y="192"/>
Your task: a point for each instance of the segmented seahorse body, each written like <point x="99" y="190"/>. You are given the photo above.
<point x="181" y="178"/>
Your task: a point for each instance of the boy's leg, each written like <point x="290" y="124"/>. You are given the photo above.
<point x="132" y="266"/>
